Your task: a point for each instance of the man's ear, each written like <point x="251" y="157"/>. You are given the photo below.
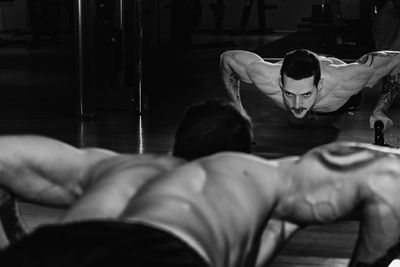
<point x="320" y="84"/>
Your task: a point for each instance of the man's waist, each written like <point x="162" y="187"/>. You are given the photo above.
<point x="177" y="231"/>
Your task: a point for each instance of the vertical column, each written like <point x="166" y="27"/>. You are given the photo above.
<point x="121" y="25"/>
<point x="85" y="53"/>
<point x="138" y="57"/>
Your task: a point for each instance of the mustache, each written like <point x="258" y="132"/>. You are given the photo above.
<point x="298" y="109"/>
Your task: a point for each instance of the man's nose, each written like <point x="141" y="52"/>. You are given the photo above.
<point x="297" y="102"/>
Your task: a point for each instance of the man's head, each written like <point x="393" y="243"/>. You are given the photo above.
<point x="212" y="126"/>
<point x="300" y="81"/>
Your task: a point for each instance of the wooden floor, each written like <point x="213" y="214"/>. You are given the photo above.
<point x="38" y="97"/>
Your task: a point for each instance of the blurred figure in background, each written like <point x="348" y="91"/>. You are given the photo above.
<point x="385" y="27"/>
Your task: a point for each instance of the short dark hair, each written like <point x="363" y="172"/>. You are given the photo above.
<point x="212" y="126"/>
<point x="299" y="64"/>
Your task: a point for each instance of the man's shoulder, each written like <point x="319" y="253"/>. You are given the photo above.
<point x="340" y="73"/>
<point x="228" y="156"/>
<point x="131" y="162"/>
<point x="326" y="60"/>
<point x="143" y="159"/>
<point x="268" y="65"/>
<point x="235" y="162"/>
<point x="265" y="75"/>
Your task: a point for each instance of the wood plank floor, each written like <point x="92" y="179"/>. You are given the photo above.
<point x="38" y="97"/>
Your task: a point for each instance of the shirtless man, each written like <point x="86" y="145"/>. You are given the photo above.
<point x="212" y="126"/>
<point x="152" y="210"/>
<point x="305" y="82"/>
<point x="349" y="178"/>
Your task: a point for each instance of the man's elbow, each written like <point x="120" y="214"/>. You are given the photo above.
<point x="225" y="58"/>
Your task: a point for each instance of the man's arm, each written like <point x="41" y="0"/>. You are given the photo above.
<point x="390" y="84"/>
<point x="378" y="241"/>
<point x="385" y="64"/>
<point x="237" y="66"/>
<point x="275" y="236"/>
<point x="341" y="179"/>
<point x="44" y="170"/>
<point x="390" y="90"/>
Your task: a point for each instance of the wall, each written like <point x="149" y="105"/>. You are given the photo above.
<point x="286" y="17"/>
<point x="13" y="15"/>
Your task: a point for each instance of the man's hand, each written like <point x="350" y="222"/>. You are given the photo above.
<point x="275" y="236"/>
<point x="241" y="108"/>
<point x="380" y="116"/>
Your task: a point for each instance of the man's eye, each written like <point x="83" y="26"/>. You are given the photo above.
<point x="288" y="94"/>
<point x="307" y="94"/>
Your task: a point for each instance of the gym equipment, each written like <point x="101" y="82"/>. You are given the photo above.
<point x="10" y="222"/>
<point x="218" y="9"/>
<point x="379" y="137"/>
<point x="108" y="48"/>
<point x="19" y="218"/>
<point x="261" y="6"/>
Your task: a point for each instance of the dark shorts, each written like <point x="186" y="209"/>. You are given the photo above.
<point x="100" y="243"/>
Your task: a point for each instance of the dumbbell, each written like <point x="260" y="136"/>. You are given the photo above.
<point x="9" y="218"/>
<point x="379" y="138"/>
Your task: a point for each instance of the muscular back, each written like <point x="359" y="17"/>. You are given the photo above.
<point x="114" y="181"/>
<point x="219" y="205"/>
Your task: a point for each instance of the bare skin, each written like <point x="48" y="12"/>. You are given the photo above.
<point x="339" y="179"/>
<point x="101" y="184"/>
<point x="339" y="81"/>
<point x="220" y="205"/>
<point x="54" y="173"/>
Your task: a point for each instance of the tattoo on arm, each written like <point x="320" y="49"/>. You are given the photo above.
<point x="365" y="59"/>
<point x="232" y="84"/>
<point x="390" y="89"/>
<point x="235" y="83"/>
<point x="368" y="59"/>
<point x="350" y="157"/>
<point x="346" y="159"/>
<point x="391" y="83"/>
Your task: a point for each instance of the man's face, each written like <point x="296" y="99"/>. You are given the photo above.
<point x="299" y="96"/>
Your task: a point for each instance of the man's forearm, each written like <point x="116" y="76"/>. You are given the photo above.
<point x="274" y="237"/>
<point x="232" y="85"/>
<point x="390" y="89"/>
<point x="44" y="170"/>
<point x="376" y="250"/>
<point x="384" y="261"/>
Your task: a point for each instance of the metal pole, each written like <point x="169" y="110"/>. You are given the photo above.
<point x="79" y="43"/>
<point x="84" y="13"/>
<point x="139" y="67"/>
<point x="123" y="39"/>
